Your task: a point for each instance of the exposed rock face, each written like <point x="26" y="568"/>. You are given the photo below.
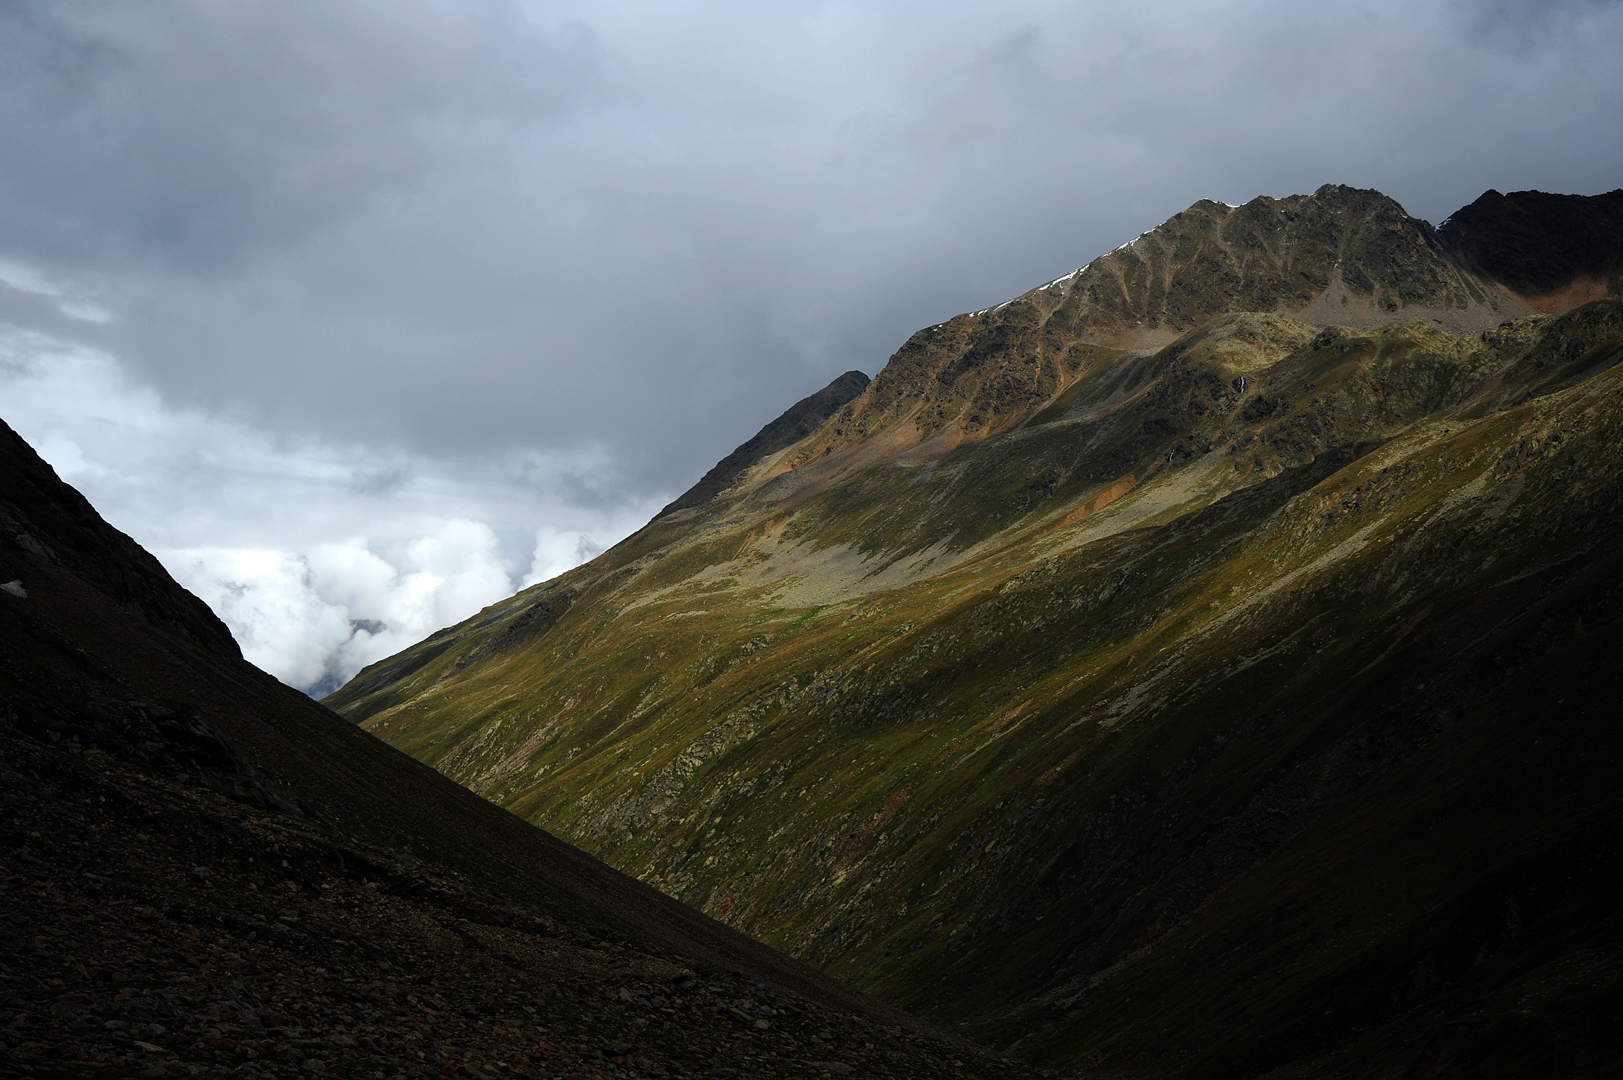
<point x="1341" y="256"/>
<point x="1231" y="705"/>
<point x="1268" y="255"/>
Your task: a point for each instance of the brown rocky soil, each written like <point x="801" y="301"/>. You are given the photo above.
<point x="153" y="929"/>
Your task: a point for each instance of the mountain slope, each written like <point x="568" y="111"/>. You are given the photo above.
<point x="1540" y="245"/>
<point x="1169" y="711"/>
<point x="116" y="683"/>
<point x="798" y="421"/>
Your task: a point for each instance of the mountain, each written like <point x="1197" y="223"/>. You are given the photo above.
<point x="1199" y="665"/>
<point x="202" y="870"/>
<point x="798" y="421"/>
<point x="1542" y="246"/>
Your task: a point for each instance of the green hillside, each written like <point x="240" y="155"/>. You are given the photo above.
<point x="1160" y="682"/>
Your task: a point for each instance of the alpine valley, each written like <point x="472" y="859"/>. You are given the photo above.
<point x="1201" y="665"/>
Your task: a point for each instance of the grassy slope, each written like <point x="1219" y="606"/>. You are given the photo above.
<point x="1197" y="673"/>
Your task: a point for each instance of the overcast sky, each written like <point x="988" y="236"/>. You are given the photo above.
<point x="361" y="315"/>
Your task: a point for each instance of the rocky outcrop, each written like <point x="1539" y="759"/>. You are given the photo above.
<point x="1340" y="256"/>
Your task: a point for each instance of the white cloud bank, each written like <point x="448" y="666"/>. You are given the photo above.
<point x="314" y="619"/>
<point x="321" y="558"/>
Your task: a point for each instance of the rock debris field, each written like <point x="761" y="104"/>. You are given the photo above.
<point x="149" y="928"/>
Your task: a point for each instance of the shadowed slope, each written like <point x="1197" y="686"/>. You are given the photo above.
<point x="1539" y="244"/>
<point x="106" y="648"/>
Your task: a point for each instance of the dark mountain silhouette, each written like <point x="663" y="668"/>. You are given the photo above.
<point x="1538" y="244"/>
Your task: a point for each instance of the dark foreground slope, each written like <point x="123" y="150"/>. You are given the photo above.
<point x="203" y="870"/>
<point x="1233" y="707"/>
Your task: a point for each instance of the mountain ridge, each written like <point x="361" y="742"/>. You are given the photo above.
<point x="1341" y="256"/>
<point x="794" y="424"/>
<point x="1046" y="659"/>
<point x="1537" y="244"/>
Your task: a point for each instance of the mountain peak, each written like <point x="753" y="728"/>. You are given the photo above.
<point x="1540" y="245"/>
<point x="1342" y="256"/>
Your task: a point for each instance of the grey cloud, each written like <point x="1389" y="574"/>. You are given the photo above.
<point x="472" y="229"/>
<point x="314" y="577"/>
<point x="195" y="135"/>
<point x="1521" y="27"/>
<point x="382" y="481"/>
<point x="407" y="303"/>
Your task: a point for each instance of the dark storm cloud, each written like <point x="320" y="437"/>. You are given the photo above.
<point x="1520" y="27"/>
<point x="195" y="136"/>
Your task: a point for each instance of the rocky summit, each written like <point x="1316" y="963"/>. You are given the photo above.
<point x="1200" y="665"/>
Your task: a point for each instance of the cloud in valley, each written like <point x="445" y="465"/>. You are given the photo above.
<point x="321" y="557"/>
<point x="362" y="313"/>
